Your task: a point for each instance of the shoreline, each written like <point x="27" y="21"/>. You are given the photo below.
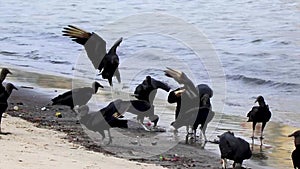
<point x="30" y="103"/>
<point x="190" y="157"/>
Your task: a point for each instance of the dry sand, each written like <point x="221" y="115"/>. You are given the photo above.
<point x="30" y="147"/>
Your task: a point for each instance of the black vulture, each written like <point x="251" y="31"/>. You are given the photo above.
<point x="4" y="73"/>
<point x="3" y="99"/>
<point x="140" y="108"/>
<point x="193" y="103"/>
<point x="77" y="96"/>
<point x="259" y="114"/>
<point x="296" y="152"/>
<point x="233" y="148"/>
<point x="204" y="115"/>
<point x="148" y="89"/>
<point x="95" y="46"/>
<point x="101" y="120"/>
<point x="109" y="116"/>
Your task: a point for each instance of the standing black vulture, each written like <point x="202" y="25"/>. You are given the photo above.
<point x="78" y="96"/>
<point x="108" y="116"/>
<point x="3" y="99"/>
<point x="204" y="115"/>
<point x="3" y="75"/>
<point x="259" y="114"/>
<point x="95" y="46"/>
<point x="193" y="103"/>
<point x="296" y="152"/>
<point x="140" y="108"/>
<point x="101" y="120"/>
<point x="148" y="89"/>
<point x="233" y="148"/>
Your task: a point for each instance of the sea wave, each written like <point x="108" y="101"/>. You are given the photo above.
<point x="7" y="53"/>
<point x="258" y="81"/>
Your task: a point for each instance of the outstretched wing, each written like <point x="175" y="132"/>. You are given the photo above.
<point x="76" y="34"/>
<point x="118" y="75"/>
<point x="62" y="97"/>
<point x="115" y="46"/>
<point x="181" y="78"/>
<point x="295" y="134"/>
<point x="94" y="45"/>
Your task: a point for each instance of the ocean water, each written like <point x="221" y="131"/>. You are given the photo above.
<point x="257" y="44"/>
<point x="242" y="48"/>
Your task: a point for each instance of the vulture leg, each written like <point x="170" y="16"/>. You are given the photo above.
<point x="109" y="136"/>
<point x="187" y="135"/>
<point x="224" y="162"/>
<point x="253" y="129"/>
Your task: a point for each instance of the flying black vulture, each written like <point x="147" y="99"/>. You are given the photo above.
<point x="78" y="96"/>
<point x="296" y="152"/>
<point x="193" y="103"/>
<point x="3" y="75"/>
<point x="233" y="148"/>
<point x="95" y="46"/>
<point x="148" y="89"/>
<point x="3" y="99"/>
<point x="259" y="114"/>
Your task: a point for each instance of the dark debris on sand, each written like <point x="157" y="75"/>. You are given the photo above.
<point x="29" y="108"/>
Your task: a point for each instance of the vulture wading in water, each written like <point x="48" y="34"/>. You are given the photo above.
<point x="296" y="152"/>
<point x="193" y="103"/>
<point x="3" y="100"/>
<point x="259" y="114"/>
<point x="77" y="96"/>
<point x="95" y="46"/>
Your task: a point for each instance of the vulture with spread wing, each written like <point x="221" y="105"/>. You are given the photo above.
<point x="193" y="103"/>
<point x="106" y="62"/>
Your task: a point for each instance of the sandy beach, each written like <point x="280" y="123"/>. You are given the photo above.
<point x="36" y="93"/>
<point x="241" y="49"/>
<point x="52" y="142"/>
<point x="30" y="147"/>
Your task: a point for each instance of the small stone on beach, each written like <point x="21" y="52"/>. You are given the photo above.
<point x="16" y="108"/>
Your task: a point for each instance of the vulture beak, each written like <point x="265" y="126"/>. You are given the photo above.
<point x="179" y="92"/>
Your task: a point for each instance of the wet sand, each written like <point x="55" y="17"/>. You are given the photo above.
<point x="30" y="104"/>
<point x="170" y="150"/>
